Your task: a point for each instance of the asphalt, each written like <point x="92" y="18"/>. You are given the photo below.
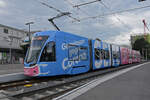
<point x="132" y="85"/>
<point x="10" y="68"/>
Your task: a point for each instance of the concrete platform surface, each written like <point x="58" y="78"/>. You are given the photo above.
<point x="132" y="84"/>
<point x="11" y="68"/>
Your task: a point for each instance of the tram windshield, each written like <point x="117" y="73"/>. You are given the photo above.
<point x="35" y="48"/>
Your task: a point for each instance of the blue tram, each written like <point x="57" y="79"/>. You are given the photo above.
<point x="58" y="53"/>
<point x="101" y="54"/>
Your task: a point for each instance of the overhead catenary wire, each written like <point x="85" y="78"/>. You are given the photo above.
<point x="122" y="22"/>
<point x="98" y="16"/>
<point x="78" y="8"/>
<point x="68" y="1"/>
<point x="82" y="4"/>
<point x="59" y="11"/>
<point x="117" y="12"/>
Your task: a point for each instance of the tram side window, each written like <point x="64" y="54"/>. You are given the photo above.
<point x="73" y="52"/>
<point x="83" y="53"/>
<point x="114" y="55"/>
<point x="130" y="56"/>
<point x="102" y="54"/>
<point x="49" y="53"/>
<point x="118" y="54"/>
<point x="124" y="55"/>
<point x="135" y="56"/>
<point x="106" y="54"/>
<point x="97" y="54"/>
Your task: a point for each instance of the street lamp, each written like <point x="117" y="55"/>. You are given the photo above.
<point x="10" y="52"/>
<point x="29" y="23"/>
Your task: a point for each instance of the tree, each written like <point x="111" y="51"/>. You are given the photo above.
<point x="140" y="44"/>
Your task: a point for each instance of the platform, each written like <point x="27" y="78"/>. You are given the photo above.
<point x="11" y="72"/>
<point x="129" y="84"/>
<point x="10" y="68"/>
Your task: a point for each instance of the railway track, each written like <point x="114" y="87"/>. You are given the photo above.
<point x="50" y="88"/>
<point x="24" y="82"/>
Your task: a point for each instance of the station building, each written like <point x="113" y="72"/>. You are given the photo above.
<point x="10" y="41"/>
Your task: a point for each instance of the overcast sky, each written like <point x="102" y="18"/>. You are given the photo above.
<point x="113" y="28"/>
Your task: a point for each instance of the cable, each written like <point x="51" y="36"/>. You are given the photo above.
<point x="122" y="22"/>
<point x="86" y="3"/>
<point x="121" y="11"/>
<point x="76" y="7"/>
<point x="68" y="2"/>
<point x="58" y="10"/>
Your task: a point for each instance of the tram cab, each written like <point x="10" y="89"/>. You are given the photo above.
<point x="56" y="53"/>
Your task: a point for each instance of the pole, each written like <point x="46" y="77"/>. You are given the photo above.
<point x="29" y="35"/>
<point x="29" y="31"/>
<point x="146" y="54"/>
<point x="10" y="54"/>
<point x="142" y="54"/>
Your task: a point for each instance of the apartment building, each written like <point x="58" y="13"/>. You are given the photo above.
<point x="10" y="41"/>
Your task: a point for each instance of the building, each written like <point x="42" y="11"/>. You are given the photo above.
<point x="10" y="40"/>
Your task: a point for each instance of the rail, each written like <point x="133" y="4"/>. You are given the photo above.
<point x="50" y="88"/>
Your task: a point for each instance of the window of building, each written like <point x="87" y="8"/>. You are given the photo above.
<point x="17" y="33"/>
<point x="5" y="30"/>
<point x="49" y="53"/>
<point x="73" y="52"/>
<point x="83" y="53"/>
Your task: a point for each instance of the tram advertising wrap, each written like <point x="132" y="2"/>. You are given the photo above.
<point x="54" y="53"/>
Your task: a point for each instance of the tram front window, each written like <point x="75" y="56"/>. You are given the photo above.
<point x="49" y="53"/>
<point x="35" y="48"/>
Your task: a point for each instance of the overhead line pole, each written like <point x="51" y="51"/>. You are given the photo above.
<point x="29" y="33"/>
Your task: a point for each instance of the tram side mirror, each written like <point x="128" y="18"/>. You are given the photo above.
<point x="49" y="47"/>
